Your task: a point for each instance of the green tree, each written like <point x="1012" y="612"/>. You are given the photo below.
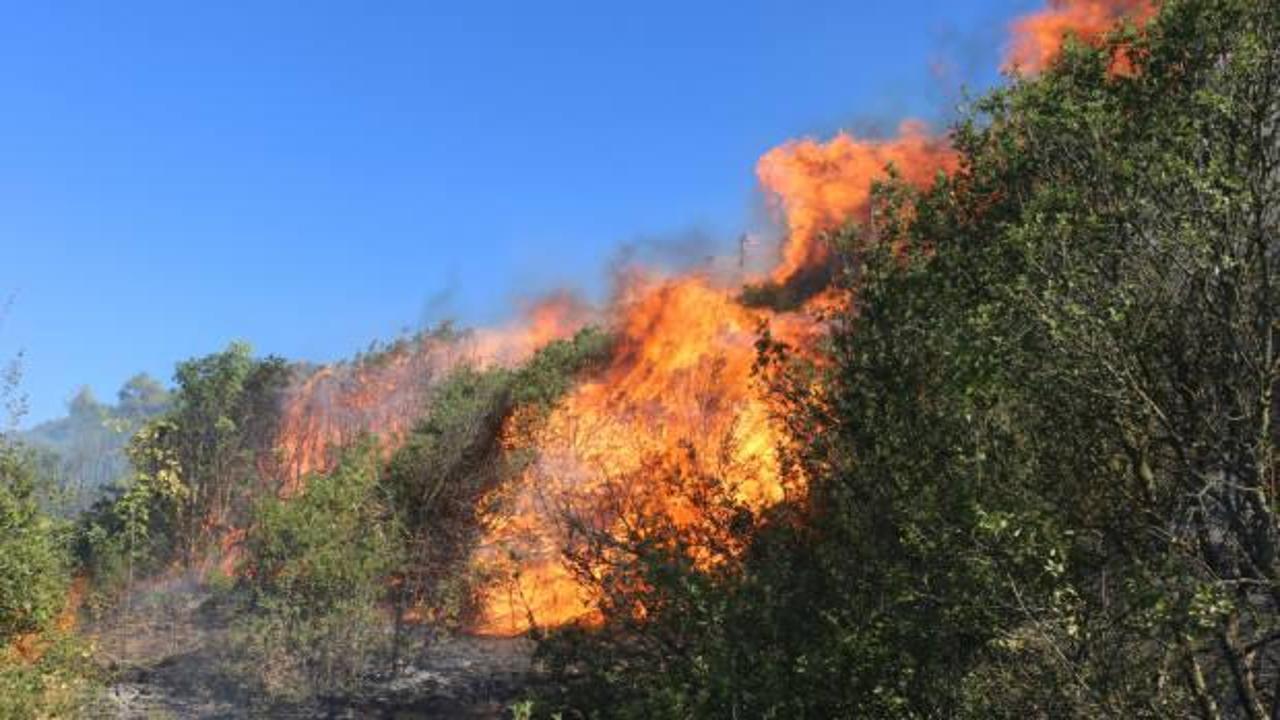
<point x="142" y="397"/>
<point x="84" y="453"/>
<point x="225" y="409"/>
<point x="194" y="467"/>
<point x="33" y="564"/>
<point x="34" y="569"/>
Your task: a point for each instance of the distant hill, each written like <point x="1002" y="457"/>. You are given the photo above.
<point x="84" y="452"/>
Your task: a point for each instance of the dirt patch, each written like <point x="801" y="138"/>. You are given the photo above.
<point x="166" y="654"/>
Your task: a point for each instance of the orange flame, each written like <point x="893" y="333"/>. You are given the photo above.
<point x="820" y="186"/>
<point x="1038" y="37"/>
<point x="335" y="404"/>
<point x="384" y="395"/>
<point x="678" y="392"/>
<point x="679" y="381"/>
<point x="553" y="317"/>
<point x="677" y="397"/>
<point x="29" y="648"/>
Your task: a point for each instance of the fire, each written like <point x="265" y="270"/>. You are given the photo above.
<point x="820" y="186"/>
<point x="30" y="647"/>
<point x="385" y="394"/>
<point x="1038" y="37"/>
<point x="231" y="546"/>
<point x="553" y="317"/>
<point x="335" y="404"/>
<point x="678" y="398"/>
<point x="678" y="390"/>
<point x="66" y="620"/>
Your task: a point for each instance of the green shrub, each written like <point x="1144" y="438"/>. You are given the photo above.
<point x="315" y="567"/>
<point x="44" y="671"/>
<point x="34" y="568"/>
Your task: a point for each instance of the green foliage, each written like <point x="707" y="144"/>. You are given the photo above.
<point x="224" y="415"/>
<point x="436" y="478"/>
<point x="551" y="371"/>
<point x="43" y="670"/>
<point x="131" y="532"/>
<point x="314" y="567"/>
<point x="60" y="683"/>
<point x="325" y="544"/>
<point x="674" y="628"/>
<point x="317" y="565"/>
<point x="142" y="397"/>
<point x="193" y="467"/>
<point x="219" y="582"/>
<point x="34" y="572"/>
<point x="33" y="562"/>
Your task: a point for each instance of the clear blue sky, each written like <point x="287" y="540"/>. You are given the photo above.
<point x="310" y="176"/>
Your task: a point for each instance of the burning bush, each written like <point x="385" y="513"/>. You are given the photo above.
<point x="1039" y="444"/>
<point x="443" y="478"/>
<point x="44" y="669"/>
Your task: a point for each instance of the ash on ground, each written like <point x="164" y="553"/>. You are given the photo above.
<point x="164" y="654"/>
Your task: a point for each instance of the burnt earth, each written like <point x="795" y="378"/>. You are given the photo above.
<point x="164" y="654"/>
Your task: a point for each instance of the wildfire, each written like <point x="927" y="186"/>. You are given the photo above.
<point x="1038" y="37"/>
<point x="553" y="317"/>
<point x="332" y="406"/>
<point x="678" y="391"/>
<point x="820" y="186"/>
<point x="677" y="398"/>
<point x="30" y="647"/>
<point x="384" y="394"/>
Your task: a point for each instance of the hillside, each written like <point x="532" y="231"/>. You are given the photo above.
<point x="993" y="437"/>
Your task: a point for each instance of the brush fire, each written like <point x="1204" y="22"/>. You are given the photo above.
<point x="912" y="439"/>
<point x="678" y="389"/>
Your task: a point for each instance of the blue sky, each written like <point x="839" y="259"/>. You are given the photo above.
<point x="312" y="176"/>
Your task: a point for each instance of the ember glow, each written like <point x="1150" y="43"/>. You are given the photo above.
<point x="1038" y="37"/>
